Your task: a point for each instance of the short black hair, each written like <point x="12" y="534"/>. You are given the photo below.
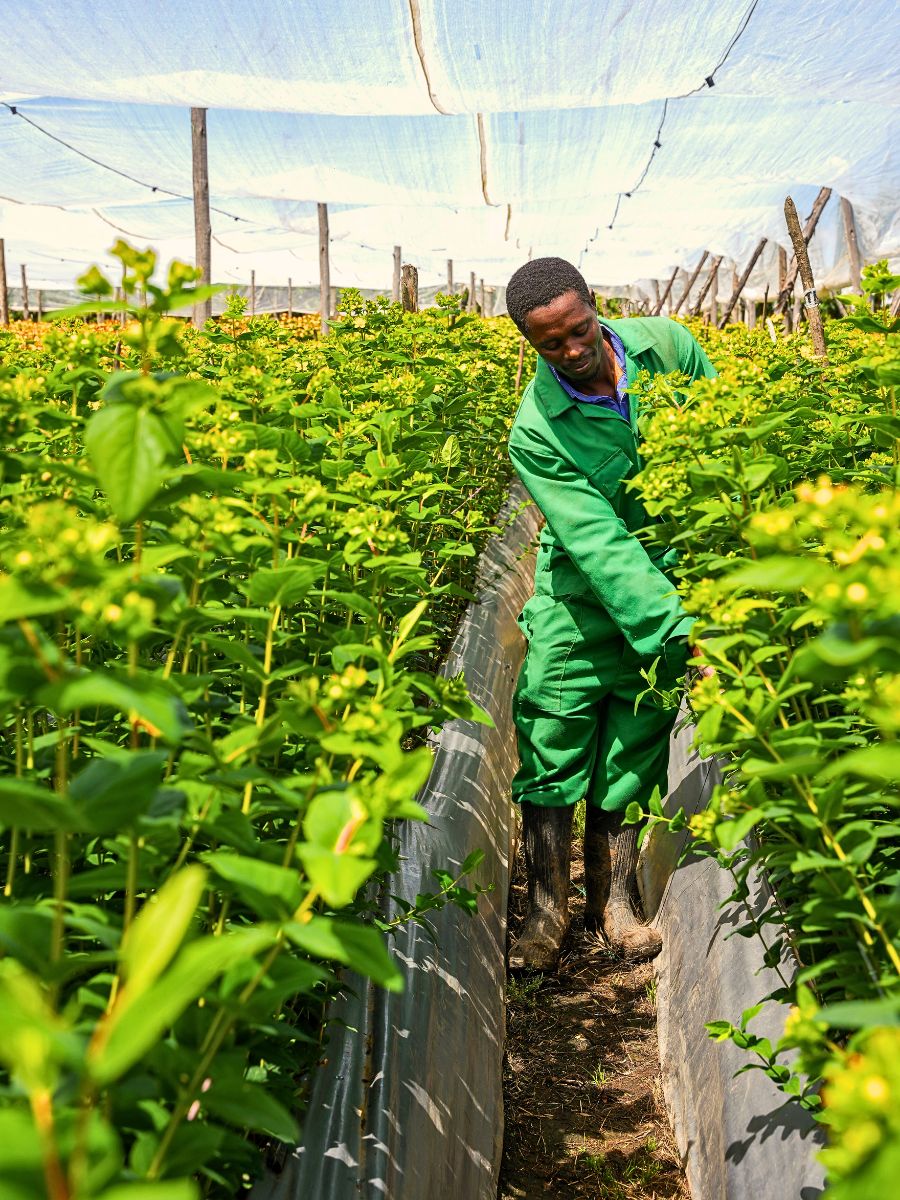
<point x="539" y="282"/>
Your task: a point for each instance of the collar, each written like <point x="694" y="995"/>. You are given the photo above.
<point x="552" y="396"/>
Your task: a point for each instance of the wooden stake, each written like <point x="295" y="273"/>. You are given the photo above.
<point x="409" y="288"/>
<point x="852" y="244"/>
<point x="40" y="310"/>
<point x="395" y="286"/>
<point x="481" y="296"/>
<point x="252" y="293"/>
<point x="782" y="268"/>
<point x="809" y="229"/>
<point x="739" y="285"/>
<point x="324" y="269"/>
<point x="713" y="315"/>
<point x="811" y="300"/>
<point x="691" y="282"/>
<point x="26" y="313"/>
<point x="521" y="365"/>
<point x="450" y="276"/>
<point x="4" y="295"/>
<point x="713" y="275"/>
<point x="665" y="294"/>
<point x="471" y="304"/>
<point x="202" y="226"/>
<point x="290" y="297"/>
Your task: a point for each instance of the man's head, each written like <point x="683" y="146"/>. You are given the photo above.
<point x="554" y="308"/>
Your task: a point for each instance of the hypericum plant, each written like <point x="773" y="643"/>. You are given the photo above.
<point x="778" y="483"/>
<point x="231" y="560"/>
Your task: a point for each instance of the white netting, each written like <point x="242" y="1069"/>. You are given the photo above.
<point x="549" y="115"/>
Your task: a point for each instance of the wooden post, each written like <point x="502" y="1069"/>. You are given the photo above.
<point x="691" y="282"/>
<point x="481" y="297"/>
<point x="751" y="314"/>
<point x="409" y="288"/>
<point x="782" y="278"/>
<point x="852" y="244"/>
<point x="40" y="306"/>
<point x="202" y="226"/>
<point x="252" y="293"/>
<point x="26" y="313"/>
<point x="714" y="293"/>
<point x="808" y="230"/>
<point x="395" y="287"/>
<point x="811" y="300"/>
<point x="739" y="285"/>
<point x="450" y="276"/>
<point x="713" y="274"/>
<point x="520" y="366"/>
<point x="665" y="294"/>
<point x="471" y="305"/>
<point x="4" y="295"/>
<point x="290" y="297"/>
<point x="324" y="268"/>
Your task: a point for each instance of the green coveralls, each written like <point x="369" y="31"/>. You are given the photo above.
<point x="602" y="607"/>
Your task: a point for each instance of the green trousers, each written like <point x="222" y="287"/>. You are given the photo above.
<point x="578" y="732"/>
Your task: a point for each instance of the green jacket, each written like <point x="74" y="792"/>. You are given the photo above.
<point x="574" y="459"/>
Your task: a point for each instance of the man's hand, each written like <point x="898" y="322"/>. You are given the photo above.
<point x="705" y="672"/>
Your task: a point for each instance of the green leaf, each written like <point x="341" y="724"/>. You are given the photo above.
<point x="337" y="876"/>
<point x="129" y="447"/>
<point x="861" y="1014"/>
<point x="354" y="945"/>
<point x="131" y="1031"/>
<point x="26" y="805"/>
<point x="21" y="599"/>
<point x="780" y="574"/>
<point x="729" y="833"/>
<point x="111" y="794"/>
<point x="143" y="699"/>
<point x="249" y="1106"/>
<point x="167" y="1189"/>
<point x="880" y="763"/>
<point x="282" y="586"/>
<point x="270" y="890"/>
<point x="158" y="930"/>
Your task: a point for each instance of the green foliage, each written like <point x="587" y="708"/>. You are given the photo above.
<point x="778" y="484"/>
<point x="232" y="560"/>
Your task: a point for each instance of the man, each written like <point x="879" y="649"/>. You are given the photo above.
<point x="603" y="607"/>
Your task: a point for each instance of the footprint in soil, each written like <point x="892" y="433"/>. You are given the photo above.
<point x="584" y="1116"/>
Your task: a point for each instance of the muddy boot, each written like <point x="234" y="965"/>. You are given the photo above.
<point x="547" y="838"/>
<point x="610" y="862"/>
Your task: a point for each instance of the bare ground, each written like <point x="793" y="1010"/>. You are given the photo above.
<point x="584" y="1112"/>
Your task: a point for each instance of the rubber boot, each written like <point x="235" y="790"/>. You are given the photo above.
<point x="610" y="864"/>
<point x="547" y="838"/>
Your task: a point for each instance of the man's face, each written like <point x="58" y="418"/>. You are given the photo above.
<point x="566" y="334"/>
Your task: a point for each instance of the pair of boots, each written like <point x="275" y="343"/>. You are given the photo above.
<point x="610" y="860"/>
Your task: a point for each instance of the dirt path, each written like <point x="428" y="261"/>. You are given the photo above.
<point x="584" y="1112"/>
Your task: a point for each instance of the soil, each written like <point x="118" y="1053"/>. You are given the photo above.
<point x="585" y="1118"/>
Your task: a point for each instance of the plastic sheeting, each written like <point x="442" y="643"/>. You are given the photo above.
<point x="455" y="128"/>
<point x="409" y="1103"/>
<point x="739" y="1137"/>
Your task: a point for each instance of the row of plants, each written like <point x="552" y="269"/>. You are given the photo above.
<point x="778" y="482"/>
<point x="232" y="559"/>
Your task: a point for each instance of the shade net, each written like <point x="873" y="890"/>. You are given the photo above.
<point x="456" y="129"/>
